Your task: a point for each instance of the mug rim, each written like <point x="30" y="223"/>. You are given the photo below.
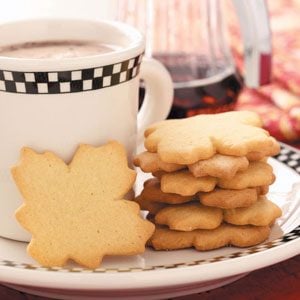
<point x="38" y="76"/>
<point x="135" y="47"/>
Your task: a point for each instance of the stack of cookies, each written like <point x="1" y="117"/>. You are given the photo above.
<point x="211" y="178"/>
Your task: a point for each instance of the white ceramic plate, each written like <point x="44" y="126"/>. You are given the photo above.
<point x="156" y="275"/>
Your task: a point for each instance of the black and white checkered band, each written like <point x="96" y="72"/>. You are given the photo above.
<point x="69" y="81"/>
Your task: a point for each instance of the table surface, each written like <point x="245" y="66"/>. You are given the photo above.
<point x="277" y="282"/>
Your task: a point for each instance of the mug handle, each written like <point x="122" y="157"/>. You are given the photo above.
<point x="158" y="97"/>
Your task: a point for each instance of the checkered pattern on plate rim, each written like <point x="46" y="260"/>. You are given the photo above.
<point x="72" y="81"/>
<point x="259" y="248"/>
<point x="290" y="158"/>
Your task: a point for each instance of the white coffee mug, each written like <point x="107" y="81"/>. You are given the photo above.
<point x="56" y="104"/>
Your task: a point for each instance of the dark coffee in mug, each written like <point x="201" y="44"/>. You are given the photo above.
<point x="56" y="49"/>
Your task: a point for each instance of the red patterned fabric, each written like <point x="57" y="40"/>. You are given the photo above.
<point x="279" y="102"/>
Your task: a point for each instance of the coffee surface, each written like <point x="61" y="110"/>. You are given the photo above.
<point x="56" y="49"/>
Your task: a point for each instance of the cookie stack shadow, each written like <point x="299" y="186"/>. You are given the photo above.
<point x="214" y="201"/>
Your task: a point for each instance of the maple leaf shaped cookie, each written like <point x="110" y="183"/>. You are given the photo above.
<point x="208" y="239"/>
<point x="187" y="141"/>
<point x="76" y="211"/>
